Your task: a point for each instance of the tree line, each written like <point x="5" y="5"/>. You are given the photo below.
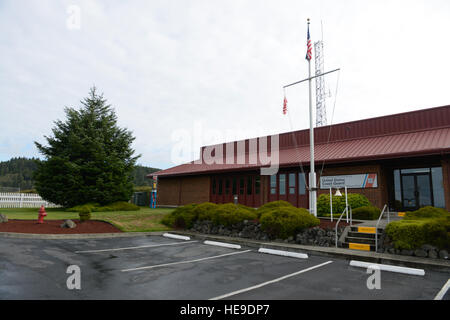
<point x="18" y="173"/>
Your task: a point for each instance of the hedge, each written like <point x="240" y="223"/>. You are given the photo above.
<point x="272" y="205"/>
<point x="220" y="214"/>
<point x="283" y="222"/>
<point x="366" y="213"/>
<point x="229" y="213"/>
<point x="427" y="225"/>
<point x="182" y="217"/>
<point x="355" y="200"/>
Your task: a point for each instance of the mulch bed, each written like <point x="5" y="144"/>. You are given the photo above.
<point x="54" y="227"/>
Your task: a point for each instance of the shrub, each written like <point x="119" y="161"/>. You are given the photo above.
<point x="229" y="213"/>
<point x="366" y="213"/>
<point x="85" y="214"/>
<point x="181" y="217"/>
<point x="355" y="200"/>
<point x="427" y="212"/>
<point x="283" y="222"/>
<point x="406" y="234"/>
<point x="205" y="211"/>
<point x="84" y="207"/>
<point x="272" y="205"/>
<point x="427" y="225"/>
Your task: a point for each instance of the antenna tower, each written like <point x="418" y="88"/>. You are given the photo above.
<point x="321" y="111"/>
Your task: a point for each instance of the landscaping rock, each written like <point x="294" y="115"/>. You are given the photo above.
<point x="406" y="252"/>
<point x="428" y="247"/>
<point x="432" y="254"/>
<point x="68" y="224"/>
<point x="391" y="250"/>
<point x="3" y="218"/>
<point x="420" y="253"/>
<point x="443" y="254"/>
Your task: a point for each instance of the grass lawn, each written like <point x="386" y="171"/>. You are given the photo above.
<point x="145" y="219"/>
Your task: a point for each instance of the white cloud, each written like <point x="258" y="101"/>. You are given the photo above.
<point x="165" y="64"/>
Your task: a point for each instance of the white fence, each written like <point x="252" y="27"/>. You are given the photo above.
<point x="23" y="200"/>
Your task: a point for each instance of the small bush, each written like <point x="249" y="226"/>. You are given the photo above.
<point x="205" y="211"/>
<point x="272" y="205"/>
<point x="182" y="217"/>
<point x="229" y="213"/>
<point x="427" y="225"/>
<point x="427" y="212"/>
<point x="85" y="214"/>
<point x="84" y="207"/>
<point x="355" y="200"/>
<point x="366" y="213"/>
<point x="283" y="222"/>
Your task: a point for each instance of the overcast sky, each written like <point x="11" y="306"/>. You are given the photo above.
<point x="213" y="69"/>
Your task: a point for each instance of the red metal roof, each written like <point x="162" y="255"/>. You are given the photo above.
<point x="429" y="139"/>
<point x="391" y="146"/>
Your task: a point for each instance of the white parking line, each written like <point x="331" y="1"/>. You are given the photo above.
<point x="138" y="247"/>
<point x="284" y="253"/>
<point x="270" y="282"/>
<point x="443" y="291"/>
<point x="387" y="267"/>
<point x="181" y="262"/>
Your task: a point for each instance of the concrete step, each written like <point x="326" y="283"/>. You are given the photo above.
<point x="363" y="235"/>
<point x="359" y="240"/>
<point x="365" y="229"/>
<point x="358" y="246"/>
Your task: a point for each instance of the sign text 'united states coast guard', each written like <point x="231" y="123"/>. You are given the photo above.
<point x="355" y="181"/>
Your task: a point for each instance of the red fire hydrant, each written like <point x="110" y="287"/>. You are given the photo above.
<point x="41" y="214"/>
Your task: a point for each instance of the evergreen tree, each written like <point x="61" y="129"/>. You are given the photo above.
<point x="88" y="158"/>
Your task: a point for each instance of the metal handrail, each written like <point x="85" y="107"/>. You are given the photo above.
<point x="337" y="223"/>
<point x="376" y="227"/>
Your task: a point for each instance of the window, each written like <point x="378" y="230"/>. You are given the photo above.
<point x="301" y="184"/>
<point x="273" y="184"/>
<point x="291" y="183"/>
<point x="241" y="185"/>
<point x="257" y="184"/>
<point x="397" y="191"/>
<point x="220" y="187"/>
<point x="438" y="187"/>
<point x="234" y="186"/>
<point x="227" y="186"/>
<point x="249" y="185"/>
<point x="282" y="181"/>
<point x="214" y="186"/>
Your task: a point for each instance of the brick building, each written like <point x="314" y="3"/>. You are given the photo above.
<point x="402" y="160"/>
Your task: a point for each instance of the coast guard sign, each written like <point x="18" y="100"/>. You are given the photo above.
<point x="352" y="181"/>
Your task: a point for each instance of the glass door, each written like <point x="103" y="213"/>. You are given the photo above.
<point x="416" y="191"/>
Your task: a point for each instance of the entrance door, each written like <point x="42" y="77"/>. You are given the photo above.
<point x="416" y="191"/>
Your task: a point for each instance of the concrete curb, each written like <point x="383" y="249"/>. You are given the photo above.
<point x="367" y="256"/>
<point x="79" y="235"/>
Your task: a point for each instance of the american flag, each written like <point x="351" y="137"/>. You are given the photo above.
<point x="285" y="105"/>
<point x="309" y="45"/>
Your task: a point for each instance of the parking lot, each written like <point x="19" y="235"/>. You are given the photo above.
<point x="156" y="267"/>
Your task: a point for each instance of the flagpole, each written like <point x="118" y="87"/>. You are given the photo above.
<point x="312" y="174"/>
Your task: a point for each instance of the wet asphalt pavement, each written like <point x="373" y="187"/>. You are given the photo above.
<point x="154" y="267"/>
